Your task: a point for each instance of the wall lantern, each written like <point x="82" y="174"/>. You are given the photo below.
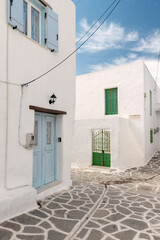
<point x="52" y="99"/>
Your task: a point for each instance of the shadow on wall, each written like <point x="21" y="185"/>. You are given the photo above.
<point x="131" y="150"/>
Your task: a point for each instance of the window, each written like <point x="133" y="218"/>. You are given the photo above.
<point x="151" y="135"/>
<point x="36" y="20"/>
<point x="25" y="13"/>
<point x="36" y="133"/>
<point x="35" y="24"/>
<point x="111" y="101"/>
<point x="31" y="21"/>
<point x="49" y="133"/>
<point x="150" y="97"/>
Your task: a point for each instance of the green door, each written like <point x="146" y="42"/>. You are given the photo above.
<point x="101" y="148"/>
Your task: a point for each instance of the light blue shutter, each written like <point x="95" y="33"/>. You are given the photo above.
<point x="15" y="14"/>
<point x="52" y="30"/>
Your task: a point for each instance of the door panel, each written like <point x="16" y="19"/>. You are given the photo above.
<point x="107" y="160"/>
<point x="97" y="145"/>
<point x="97" y="159"/>
<point x="44" y="150"/>
<point x="37" y="152"/>
<point x="106" y="149"/>
<point x="49" y="149"/>
<point x="101" y="148"/>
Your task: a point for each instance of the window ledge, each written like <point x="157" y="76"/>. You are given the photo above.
<point x="39" y="44"/>
<point x="111" y="115"/>
<point x="30" y="39"/>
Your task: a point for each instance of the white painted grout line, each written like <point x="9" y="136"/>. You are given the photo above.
<point x="85" y="219"/>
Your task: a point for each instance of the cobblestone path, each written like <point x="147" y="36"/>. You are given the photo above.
<point x="123" y="215"/>
<point x="58" y="218"/>
<point x="103" y="204"/>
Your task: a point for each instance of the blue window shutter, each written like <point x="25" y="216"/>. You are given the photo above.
<point x="43" y="23"/>
<point x="15" y="14"/>
<point x="52" y="30"/>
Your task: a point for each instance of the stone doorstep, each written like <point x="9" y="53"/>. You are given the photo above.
<point x="17" y="201"/>
<point x="51" y="188"/>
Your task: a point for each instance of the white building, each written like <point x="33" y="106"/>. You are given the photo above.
<point x="117" y="118"/>
<point x="36" y="35"/>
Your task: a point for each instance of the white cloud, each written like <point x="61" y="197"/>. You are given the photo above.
<point x="132" y="36"/>
<point x="102" y="66"/>
<point x="120" y="61"/>
<point x="84" y="24"/>
<point x="115" y="36"/>
<point x="99" y="67"/>
<point x="150" y="44"/>
<point x="109" y="36"/>
<point x="132" y="56"/>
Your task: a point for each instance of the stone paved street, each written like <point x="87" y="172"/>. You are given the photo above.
<point x="103" y="204"/>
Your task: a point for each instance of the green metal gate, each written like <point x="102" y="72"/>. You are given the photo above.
<point x="101" y="148"/>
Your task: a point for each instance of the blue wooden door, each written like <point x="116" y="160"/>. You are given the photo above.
<point x="44" y="152"/>
<point x="49" y="149"/>
<point x="37" y="152"/>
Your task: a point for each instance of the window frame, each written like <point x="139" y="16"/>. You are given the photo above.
<point x="29" y="20"/>
<point x="24" y="1"/>
<point x="150" y="101"/>
<point x="105" y="93"/>
<point x="39" y="16"/>
<point x="151" y="135"/>
<point x="48" y="22"/>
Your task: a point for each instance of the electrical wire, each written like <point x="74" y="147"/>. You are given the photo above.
<point x="35" y="79"/>
<point x="96" y="21"/>
<point x="9" y="83"/>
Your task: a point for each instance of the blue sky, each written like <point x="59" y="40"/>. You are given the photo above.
<point x="132" y="32"/>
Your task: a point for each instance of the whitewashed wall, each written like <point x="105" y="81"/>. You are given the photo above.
<point x="157" y="109"/>
<point x="3" y="77"/>
<point x="128" y="125"/>
<point x="27" y="60"/>
<point x="150" y="121"/>
<point x="131" y="144"/>
<point x="82" y="140"/>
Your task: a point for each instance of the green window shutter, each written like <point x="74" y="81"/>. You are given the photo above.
<point x="151" y="135"/>
<point x="111" y="101"/>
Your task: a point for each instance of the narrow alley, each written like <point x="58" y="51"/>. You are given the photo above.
<point x="103" y="203"/>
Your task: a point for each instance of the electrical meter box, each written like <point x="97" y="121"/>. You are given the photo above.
<point x="30" y="140"/>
